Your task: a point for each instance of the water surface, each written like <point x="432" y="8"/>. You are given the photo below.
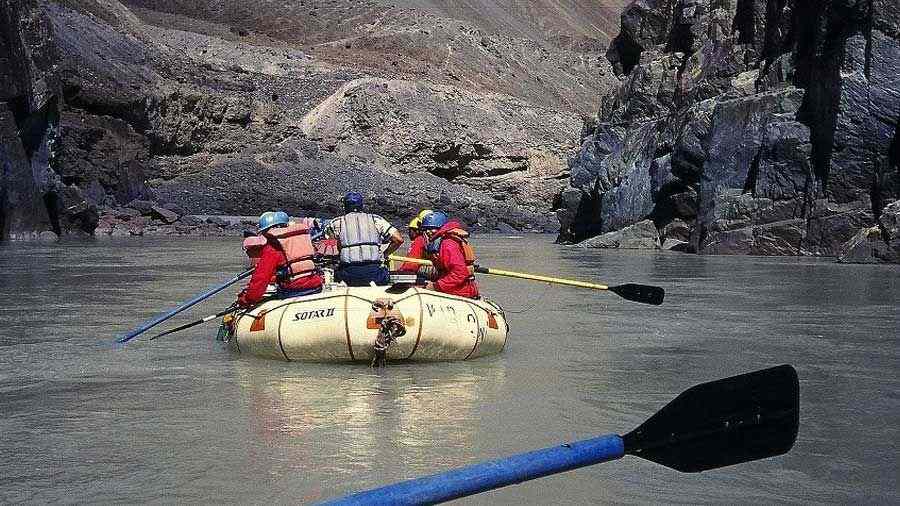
<point x="181" y="419"/>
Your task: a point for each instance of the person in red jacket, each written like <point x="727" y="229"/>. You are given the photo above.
<point x="288" y="256"/>
<point x="417" y="246"/>
<point x="453" y="258"/>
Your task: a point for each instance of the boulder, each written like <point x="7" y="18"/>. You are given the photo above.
<point x="889" y="222"/>
<point x="679" y="246"/>
<point x="145" y="207"/>
<point x="642" y="235"/>
<point x="48" y="236"/>
<point x="164" y="215"/>
<point x="868" y="247"/>
<point x="676" y="230"/>
<point x="191" y="220"/>
<point x="126" y="213"/>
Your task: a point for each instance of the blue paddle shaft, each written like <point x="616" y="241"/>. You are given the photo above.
<point x="492" y="474"/>
<point x="149" y="324"/>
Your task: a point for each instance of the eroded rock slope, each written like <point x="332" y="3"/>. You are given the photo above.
<point x="212" y="107"/>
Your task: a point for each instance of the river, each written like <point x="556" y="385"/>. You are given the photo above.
<point x="181" y="419"/>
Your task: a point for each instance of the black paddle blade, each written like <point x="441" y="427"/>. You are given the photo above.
<point x="640" y="293"/>
<point x="724" y="422"/>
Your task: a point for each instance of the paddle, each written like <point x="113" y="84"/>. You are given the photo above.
<point x="195" y="323"/>
<point x="712" y="425"/>
<point x="165" y="316"/>
<point x="638" y="293"/>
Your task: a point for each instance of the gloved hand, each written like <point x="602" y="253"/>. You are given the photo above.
<point x="242" y="300"/>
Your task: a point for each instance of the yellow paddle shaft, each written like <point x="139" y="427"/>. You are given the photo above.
<point x="511" y="274"/>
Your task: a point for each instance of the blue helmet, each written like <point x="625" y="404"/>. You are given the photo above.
<point x="271" y="219"/>
<point x="437" y="219"/>
<point x="353" y="201"/>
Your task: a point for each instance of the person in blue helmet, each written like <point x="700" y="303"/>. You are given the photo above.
<point x="287" y="257"/>
<point x="451" y="254"/>
<point x="360" y="236"/>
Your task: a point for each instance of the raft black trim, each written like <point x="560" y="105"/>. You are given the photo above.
<point x="347" y="321"/>
<point x="280" y="344"/>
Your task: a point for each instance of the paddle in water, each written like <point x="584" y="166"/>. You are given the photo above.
<point x="646" y="294"/>
<point x="149" y="324"/>
<point x="195" y="323"/>
<point x="712" y="425"/>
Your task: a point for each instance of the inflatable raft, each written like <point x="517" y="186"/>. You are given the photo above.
<point x="340" y="324"/>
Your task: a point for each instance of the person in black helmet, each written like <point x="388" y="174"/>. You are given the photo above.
<point x="360" y="236"/>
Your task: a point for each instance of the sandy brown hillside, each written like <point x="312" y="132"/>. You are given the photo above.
<point x="234" y="107"/>
<point x="545" y="51"/>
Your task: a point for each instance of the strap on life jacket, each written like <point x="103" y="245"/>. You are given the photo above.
<point x="434" y="247"/>
<point x="359" y="240"/>
<point x="298" y="250"/>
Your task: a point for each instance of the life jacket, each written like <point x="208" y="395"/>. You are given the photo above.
<point x="461" y="237"/>
<point x="253" y="246"/>
<point x="358" y="239"/>
<point x="293" y="240"/>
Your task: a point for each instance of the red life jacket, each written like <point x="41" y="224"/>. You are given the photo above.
<point x="461" y="236"/>
<point x="293" y="240"/>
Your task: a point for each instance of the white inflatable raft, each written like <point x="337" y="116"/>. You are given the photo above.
<point x="340" y="324"/>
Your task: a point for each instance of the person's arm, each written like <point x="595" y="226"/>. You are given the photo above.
<point x="259" y="281"/>
<point x="416" y="250"/>
<point x="396" y="240"/>
<point x="457" y="273"/>
<point x="389" y="235"/>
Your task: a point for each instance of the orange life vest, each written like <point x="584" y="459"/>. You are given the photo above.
<point x="462" y="238"/>
<point x="253" y="246"/>
<point x="293" y="240"/>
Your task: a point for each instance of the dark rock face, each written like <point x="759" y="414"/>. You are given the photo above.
<point x="27" y="107"/>
<point x="766" y="127"/>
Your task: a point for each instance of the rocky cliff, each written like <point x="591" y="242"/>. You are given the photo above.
<point x="232" y="107"/>
<point x="766" y="127"/>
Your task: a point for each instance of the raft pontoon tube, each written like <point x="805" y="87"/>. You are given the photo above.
<point x="342" y="324"/>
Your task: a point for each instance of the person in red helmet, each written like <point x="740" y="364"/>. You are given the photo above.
<point x="287" y="257"/>
<point x="453" y="258"/>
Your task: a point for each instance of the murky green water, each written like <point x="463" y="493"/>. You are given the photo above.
<point x="181" y="419"/>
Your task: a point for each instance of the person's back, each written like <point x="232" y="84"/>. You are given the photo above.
<point x="287" y="257"/>
<point x="360" y="236"/>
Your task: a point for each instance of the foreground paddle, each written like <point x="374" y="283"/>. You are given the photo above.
<point x="195" y="323"/>
<point x="149" y="324"/>
<point x="712" y="425"/>
<point x="638" y="293"/>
